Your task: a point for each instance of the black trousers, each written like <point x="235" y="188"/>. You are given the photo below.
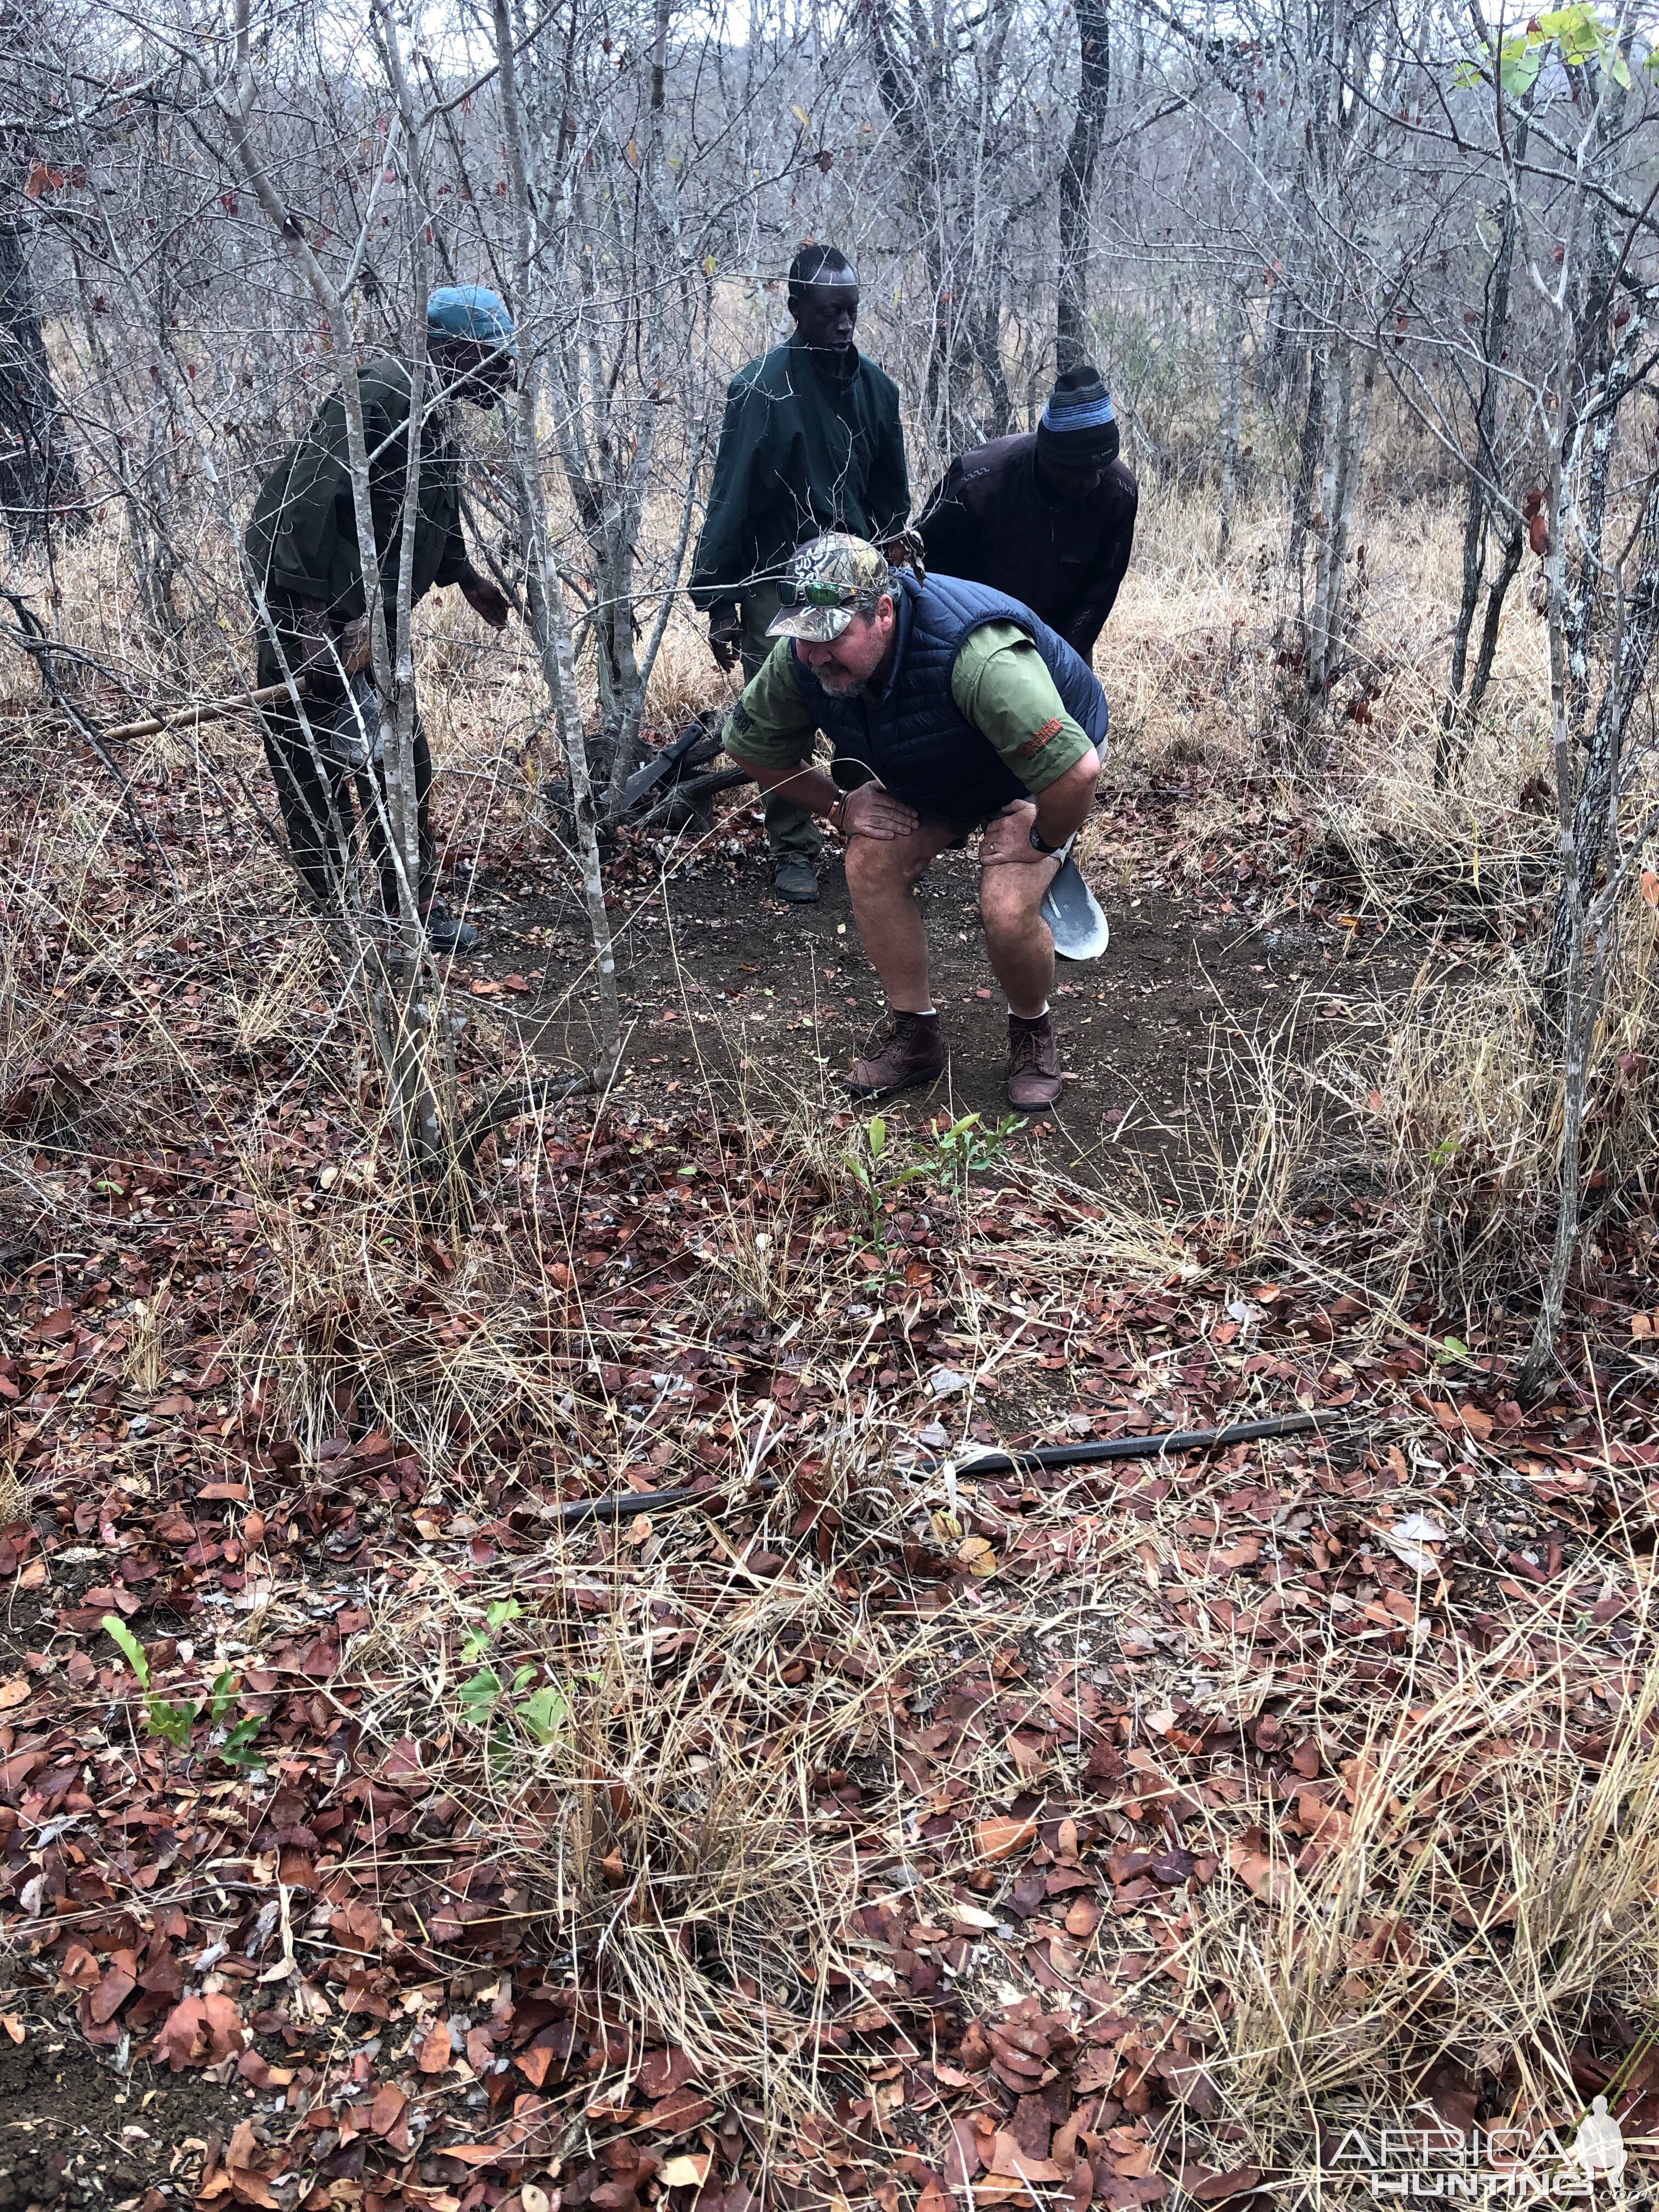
<point x="324" y="800"/>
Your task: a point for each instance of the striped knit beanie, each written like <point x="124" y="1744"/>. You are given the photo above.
<point x="1079" y="429"/>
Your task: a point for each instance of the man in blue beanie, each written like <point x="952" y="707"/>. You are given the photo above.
<point x="309" y="602"/>
<point x="1048" y="516"/>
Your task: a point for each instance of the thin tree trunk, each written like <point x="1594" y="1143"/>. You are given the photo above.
<point x="621" y="717"/>
<point x="1483" y="491"/>
<point x="1077" y="182"/>
<point x="1232" y="411"/>
<point x="1594" y="811"/>
<point x="546" y="597"/>
<point x="635" y="708"/>
<point x="1476" y="496"/>
<point x="1497" y="592"/>
<point x="404" y="1004"/>
<point x="1570" y="908"/>
<point x="1309" y="448"/>
<point x="399" y="1013"/>
<point x="1598" y="369"/>
<point x="1340" y="486"/>
<point x="38" y="478"/>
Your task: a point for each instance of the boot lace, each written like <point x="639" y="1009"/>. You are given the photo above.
<point x="1025" y="1050"/>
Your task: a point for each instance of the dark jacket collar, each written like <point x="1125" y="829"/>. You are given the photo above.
<point x="821" y="365"/>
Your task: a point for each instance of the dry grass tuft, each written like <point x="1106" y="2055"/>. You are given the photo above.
<point x="1253" y="1131"/>
<point x="1194" y="664"/>
<point x="14" y="1497"/>
<point x="1469" y="1897"/>
<point x="670" y="1829"/>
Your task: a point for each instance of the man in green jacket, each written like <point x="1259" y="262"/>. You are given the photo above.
<point x="309" y="602"/>
<point x="811" y="443"/>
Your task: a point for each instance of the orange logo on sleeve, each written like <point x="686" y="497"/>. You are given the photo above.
<point x="1036" y="743"/>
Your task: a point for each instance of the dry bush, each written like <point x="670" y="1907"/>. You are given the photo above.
<point x="1194" y="668"/>
<point x="665" y="1828"/>
<point x="1477" y="851"/>
<point x="1186" y="658"/>
<point x="1453" y="1118"/>
<point x="685" y="681"/>
<point x="1253" y="1131"/>
<point x="1439" y="1117"/>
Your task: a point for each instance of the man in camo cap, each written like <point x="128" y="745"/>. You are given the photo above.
<point x="953" y="708"/>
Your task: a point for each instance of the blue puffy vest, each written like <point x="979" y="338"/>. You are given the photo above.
<point x="912" y="735"/>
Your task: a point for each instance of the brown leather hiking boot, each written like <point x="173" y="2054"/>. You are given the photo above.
<point x="913" y="1053"/>
<point x="1033" y="1062"/>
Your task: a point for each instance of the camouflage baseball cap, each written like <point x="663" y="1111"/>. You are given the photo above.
<point x="831" y="579"/>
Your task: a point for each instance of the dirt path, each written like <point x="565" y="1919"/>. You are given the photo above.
<point x="718" y="975"/>
<point x="74" y="2133"/>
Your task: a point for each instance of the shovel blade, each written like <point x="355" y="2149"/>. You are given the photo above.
<point x="1071" y="912"/>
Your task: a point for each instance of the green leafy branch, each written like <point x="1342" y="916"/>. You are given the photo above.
<point x="964" y="1147"/>
<point x="1578" y="35"/>
<point x="969" y="1145"/>
<point x="878" y="1173"/>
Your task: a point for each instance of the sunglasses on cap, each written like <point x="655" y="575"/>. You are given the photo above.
<point x="824" y="595"/>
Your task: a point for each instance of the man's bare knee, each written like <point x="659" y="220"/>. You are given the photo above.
<point x="878" y="864"/>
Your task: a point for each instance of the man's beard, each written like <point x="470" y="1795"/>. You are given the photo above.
<point x="838" y="682"/>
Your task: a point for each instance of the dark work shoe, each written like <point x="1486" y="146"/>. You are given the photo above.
<point x="445" y="934"/>
<point x="913" y="1053"/>
<point x="1033" y="1062"/>
<point x="796" y="881"/>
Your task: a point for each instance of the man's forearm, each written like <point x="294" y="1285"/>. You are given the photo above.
<point x="807" y="786"/>
<point x="711" y="595"/>
<point x="1081" y="627"/>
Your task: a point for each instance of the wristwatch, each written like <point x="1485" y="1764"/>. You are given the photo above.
<point x="1037" y="845"/>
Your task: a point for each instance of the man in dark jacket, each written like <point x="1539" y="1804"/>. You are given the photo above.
<point x="1048" y="516"/>
<point x="308" y="596"/>
<point x="810" y="442"/>
<point x="963" y="711"/>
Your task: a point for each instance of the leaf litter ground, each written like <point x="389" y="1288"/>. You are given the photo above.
<point x="1112" y="1835"/>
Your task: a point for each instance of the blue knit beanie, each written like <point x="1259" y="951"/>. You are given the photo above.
<point x="1079" y="429"/>
<point x="469" y="311"/>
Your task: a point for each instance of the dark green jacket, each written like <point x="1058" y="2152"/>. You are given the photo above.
<point x="801" y="451"/>
<point x="302" y="539"/>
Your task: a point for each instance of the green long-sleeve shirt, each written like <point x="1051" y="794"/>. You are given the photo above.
<point x="802" y="450"/>
<point x="303" y="538"/>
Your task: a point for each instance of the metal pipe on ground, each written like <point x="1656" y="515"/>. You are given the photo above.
<point x="1041" y="1456"/>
